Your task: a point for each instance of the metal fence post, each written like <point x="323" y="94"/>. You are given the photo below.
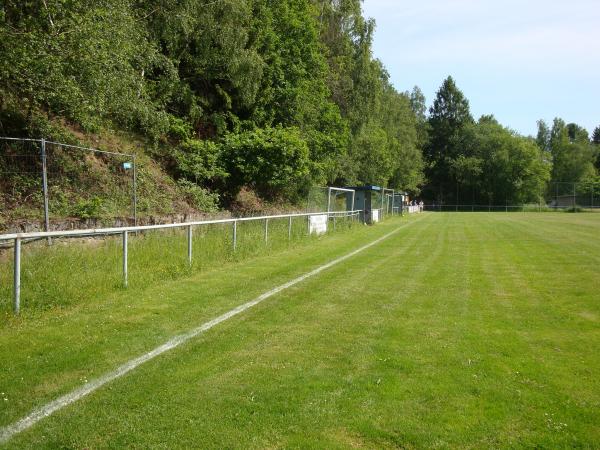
<point x="333" y="223"/>
<point x="189" y="242"/>
<point x="45" y="187"/>
<point x="125" y="256"/>
<point x="234" y="235"/>
<point x="134" y="192"/>
<point x="290" y="228"/>
<point x="266" y="231"/>
<point x="17" y="276"/>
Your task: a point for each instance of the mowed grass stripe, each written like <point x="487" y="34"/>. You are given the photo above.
<point x="46" y="358"/>
<point x="375" y="261"/>
<point x="447" y="336"/>
<point x="173" y="343"/>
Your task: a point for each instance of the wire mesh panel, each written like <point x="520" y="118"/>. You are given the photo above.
<point x="317" y="199"/>
<point x="87" y="183"/>
<point x="582" y="194"/>
<point x="21" y="196"/>
<point x="44" y="181"/>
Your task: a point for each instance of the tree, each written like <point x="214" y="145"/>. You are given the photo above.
<point x="573" y="155"/>
<point x="596" y="142"/>
<point x="501" y="166"/>
<point x="596" y="136"/>
<point x="418" y="104"/>
<point x="272" y="161"/>
<point x="203" y="81"/>
<point x="419" y="107"/>
<point x="448" y="118"/>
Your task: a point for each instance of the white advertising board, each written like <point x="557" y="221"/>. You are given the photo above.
<point x="375" y="215"/>
<point x="318" y="224"/>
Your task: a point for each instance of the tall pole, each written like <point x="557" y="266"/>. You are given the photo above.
<point x="17" y="276"/>
<point x="45" y="187"/>
<point x="189" y="242"/>
<point x="234" y="235"/>
<point x="266" y="231"/>
<point x="134" y="192"/>
<point x="125" y="257"/>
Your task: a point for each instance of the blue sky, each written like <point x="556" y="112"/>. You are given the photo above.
<point x="519" y="60"/>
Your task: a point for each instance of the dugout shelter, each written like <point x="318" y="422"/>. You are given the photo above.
<point x="368" y="198"/>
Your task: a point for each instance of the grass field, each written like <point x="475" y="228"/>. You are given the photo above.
<point x="459" y="330"/>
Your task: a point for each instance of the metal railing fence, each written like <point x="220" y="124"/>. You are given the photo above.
<point x="19" y="238"/>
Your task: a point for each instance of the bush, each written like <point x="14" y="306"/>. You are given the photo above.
<point x="88" y="209"/>
<point x="274" y="162"/>
<point x="199" y="161"/>
<point x="197" y="197"/>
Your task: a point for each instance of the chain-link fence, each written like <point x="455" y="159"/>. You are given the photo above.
<point x="44" y="181"/>
<point x="583" y="194"/>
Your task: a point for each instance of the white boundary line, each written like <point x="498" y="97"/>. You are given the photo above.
<point x="7" y="432"/>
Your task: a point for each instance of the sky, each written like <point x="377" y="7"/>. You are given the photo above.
<point x="519" y="60"/>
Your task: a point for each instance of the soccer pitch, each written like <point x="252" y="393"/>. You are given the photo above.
<point x="457" y="330"/>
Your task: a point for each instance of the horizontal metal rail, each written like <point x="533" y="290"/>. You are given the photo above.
<point x="19" y="139"/>
<point x="19" y="238"/>
<point x="118" y="230"/>
<point x="341" y="189"/>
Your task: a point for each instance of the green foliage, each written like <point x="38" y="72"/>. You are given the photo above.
<point x="596" y="142"/>
<point x="81" y="60"/>
<point x="596" y="136"/>
<point x="449" y="116"/>
<point x="272" y="161"/>
<point x="195" y="74"/>
<point x="200" y="161"/>
<point x="88" y="209"/>
<point x="179" y="129"/>
<point x="197" y="197"/>
<point x="275" y="96"/>
<point x="573" y="155"/>
<point x="543" y="136"/>
<point x="217" y="70"/>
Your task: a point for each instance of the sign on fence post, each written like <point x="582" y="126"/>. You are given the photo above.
<point x="317" y="224"/>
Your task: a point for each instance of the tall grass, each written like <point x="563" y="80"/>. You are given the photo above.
<point x="77" y="272"/>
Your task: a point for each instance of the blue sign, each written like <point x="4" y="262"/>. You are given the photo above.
<point x="127" y="165"/>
